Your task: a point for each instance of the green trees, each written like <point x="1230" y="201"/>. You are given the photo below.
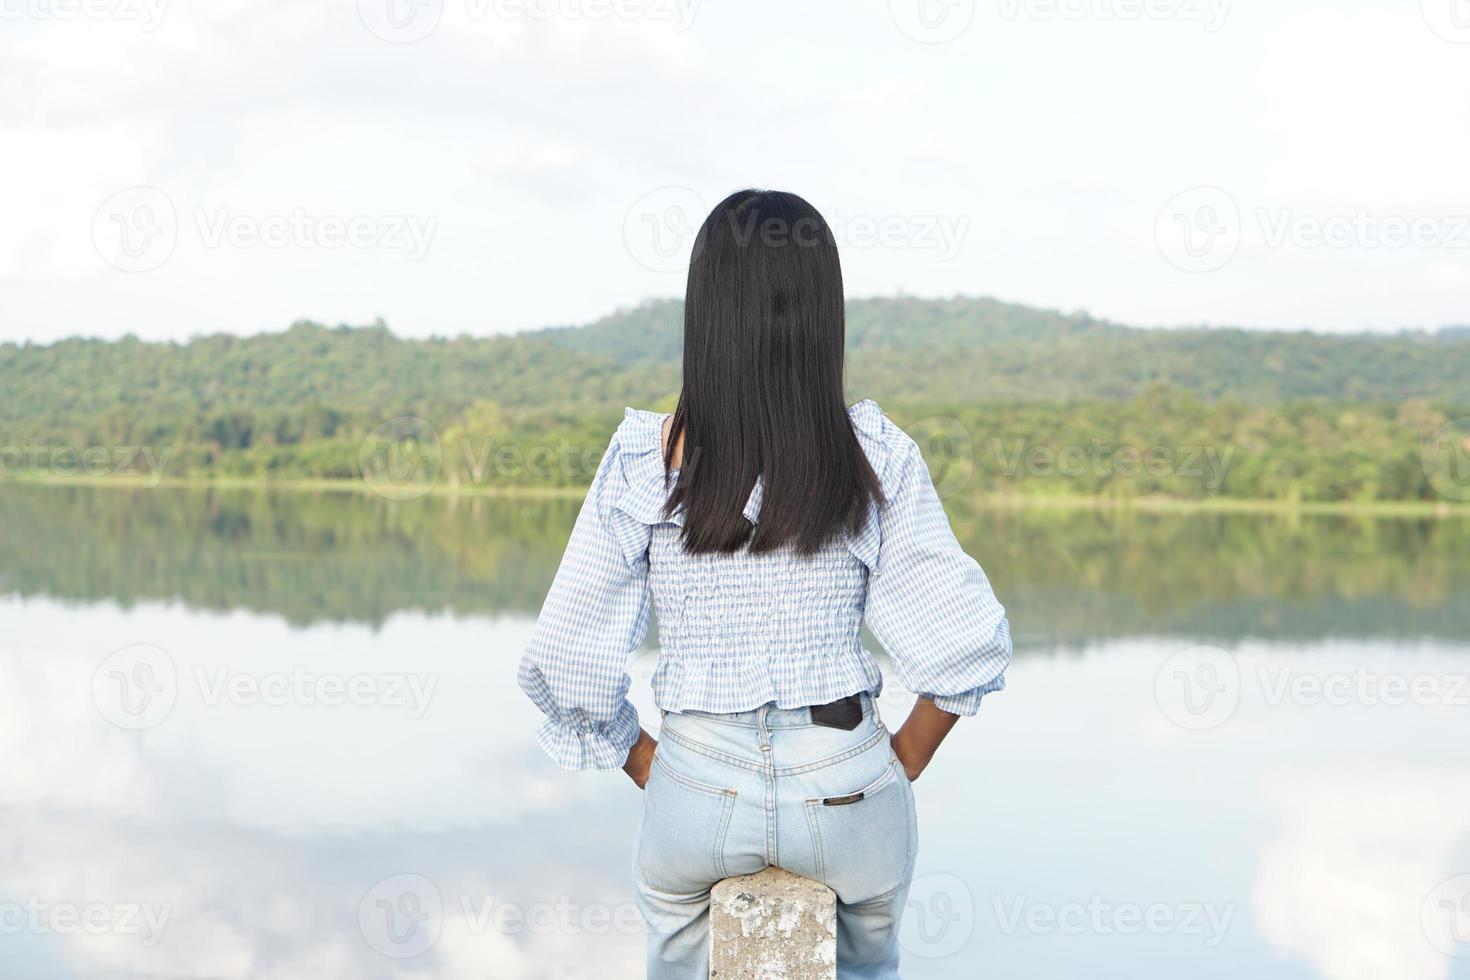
<point x="1020" y="401"/>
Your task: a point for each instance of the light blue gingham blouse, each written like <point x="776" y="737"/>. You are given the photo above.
<point x="739" y="631"/>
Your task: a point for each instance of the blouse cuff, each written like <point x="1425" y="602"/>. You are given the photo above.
<point x="579" y="744"/>
<point x="968" y="703"/>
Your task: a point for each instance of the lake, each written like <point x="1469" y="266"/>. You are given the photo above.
<point x="277" y="735"/>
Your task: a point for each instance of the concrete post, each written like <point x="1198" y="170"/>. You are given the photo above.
<point x="773" y="925"/>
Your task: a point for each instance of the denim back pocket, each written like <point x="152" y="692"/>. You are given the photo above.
<point x="864" y="837"/>
<point x="681" y="846"/>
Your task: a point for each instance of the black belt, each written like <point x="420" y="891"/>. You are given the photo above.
<point x="844" y="713"/>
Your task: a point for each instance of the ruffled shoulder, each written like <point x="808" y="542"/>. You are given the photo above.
<point x="891" y="451"/>
<point x="634" y="485"/>
<point x="873" y="430"/>
<point x="871" y="426"/>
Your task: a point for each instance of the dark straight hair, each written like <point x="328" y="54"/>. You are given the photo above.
<point x="763" y="342"/>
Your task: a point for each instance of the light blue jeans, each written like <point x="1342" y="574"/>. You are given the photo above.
<point x="731" y="794"/>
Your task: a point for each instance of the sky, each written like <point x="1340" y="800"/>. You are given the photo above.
<point x="483" y="166"/>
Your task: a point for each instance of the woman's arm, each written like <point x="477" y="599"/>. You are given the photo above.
<point x="596" y="613"/>
<point x="918" y="739"/>
<point x="932" y="608"/>
<point x="640" y="759"/>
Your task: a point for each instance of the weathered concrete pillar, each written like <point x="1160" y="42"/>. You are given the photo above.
<point x="774" y="925"/>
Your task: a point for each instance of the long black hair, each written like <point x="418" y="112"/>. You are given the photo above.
<point x="763" y="343"/>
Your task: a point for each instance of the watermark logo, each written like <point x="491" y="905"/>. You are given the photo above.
<point x="949" y="450"/>
<point x="401" y="458"/>
<point x="401" y="916"/>
<point x="1211" y="14"/>
<point x="1099" y="917"/>
<point x="1362" y="228"/>
<point x="1450" y="19"/>
<point x="407" y="21"/>
<point x="41" y="918"/>
<point x="1208" y="464"/>
<point x="932" y="21"/>
<point x="136" y="229"/>
<point x="401" y="21"/>
<point x="1199" y="229"/>
<point x="939" y="917"/>
<point x="1445" y="916"/>
<point x="485" y="460"/>
<point x="147" y="13"/>
<point x="1362" y="687"/>
<point x="678" y="13"/>
<point x="44" y="461"/>
<point x="299" y="686"/>
<point x="1446" y="459"/>
<point x="407" y="233"/>
<point x="942" y="234"/>
<point x="484" y="914"/>
<point x="1198" y="688"/>
<point x="662" y="226"/>
<point x="136" y="687"/>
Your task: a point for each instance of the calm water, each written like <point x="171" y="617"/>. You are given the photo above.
<point x="278" y="736"/>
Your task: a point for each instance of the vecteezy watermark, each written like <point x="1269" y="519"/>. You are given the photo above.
<point x="404" y="915"/>
<point x="489" y="458"/>
<point x="1198" y="688"/>
<point x="1362" y="687"/>
<point x="40" y="918"/>
<point x="407" y="233"/>
<point x="401" y="459"/>
<point x="1202" y="229"/>
<point x="301" y="687"/>
<point x="939" y="917"/>
<point x="136" y="687"/>
<point x="138" y="228"/>
<point x="1096" y="916"/>
<point x="37" y="459"/>
<point x="949" y="450"/>
<point x="561" y="916"/>
<point x="148" y="14"/>
<point x="1450" y="19"/>
<point x="942" y="234"/>
<point x="661" y="230"/>
<point x="1210" y="14"/>
<point x="407" y="21"/>
<point x="1445" y="916"/>
<point x="1362" y="228"/>
<point x="1198" y="230"/>
<point x="1208" y="463"/>
<point x="662" y="226"/>
<point x="401" y="916"/>
<point x="1445" y="456"/>
<point x="401" y="21"/>
<point x="932" y="21"/>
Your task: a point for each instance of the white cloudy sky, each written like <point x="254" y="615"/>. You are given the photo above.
<point x="508" y="170"/>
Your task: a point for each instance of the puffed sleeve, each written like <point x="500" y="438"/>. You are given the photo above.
<point x="595" y="615"/>
<point x="929" y="603"/>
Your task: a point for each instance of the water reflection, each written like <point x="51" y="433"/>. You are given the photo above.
<point x="344" y="780"/>
<point x="1068" y="578"/>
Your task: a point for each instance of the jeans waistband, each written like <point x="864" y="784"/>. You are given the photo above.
<point x="770" y="716"/>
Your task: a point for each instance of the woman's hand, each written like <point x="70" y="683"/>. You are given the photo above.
<point x="640" y="759"/>
<point x="918" y="739"/>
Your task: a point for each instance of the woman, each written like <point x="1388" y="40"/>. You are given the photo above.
<point x="765" y="520"/>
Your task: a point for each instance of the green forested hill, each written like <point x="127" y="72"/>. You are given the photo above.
<point x="960" y="350"/>
<point x="970" y="349"/>
<point x="1302" y="415"/>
